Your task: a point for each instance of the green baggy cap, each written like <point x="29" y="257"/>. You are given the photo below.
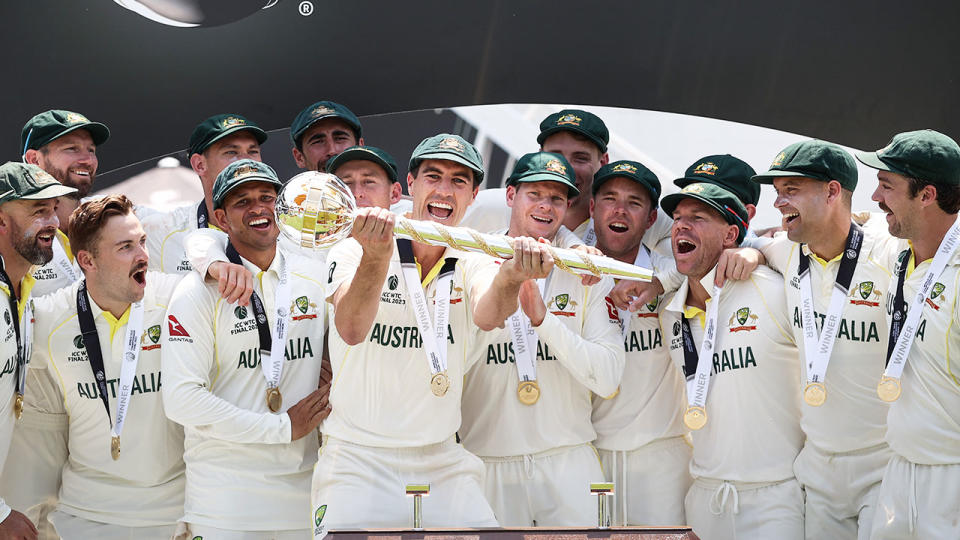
<point x="585" y="123"/>
<point x="26" y="181"/>
<point x="47" y="126"/>
<point x="544" y="167"/>
<point x="241" y="172"/>
<point x="815" y="159"/>
<point x="451" y="148"/>
<point x="219" y="126"/>
<point x="365" y="153"/>
<point x="318" y="111"/>
<point x="726" y="171"/>
<point x="633" y="170"/>
<point x="926" y="155"/>
<point x="716" y="197"/>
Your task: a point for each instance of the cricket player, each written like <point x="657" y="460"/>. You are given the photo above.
<point x="639" y="429"/>
<point x="243" y="381"/>
<point x="215" y="143"/>
<point x="735" y="347"/>
<point x="844" y="271"/>
<point x="527" y="400"/>
<point x="28" y="225"/>
<point x="396" y="408"/>
<point x="321" y="131"/>
<point x="98" y="343"/>
<point x="919" y="189"/>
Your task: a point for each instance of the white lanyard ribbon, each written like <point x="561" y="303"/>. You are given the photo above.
<point x="25" y="347"/>
<point x="819" y="348"/>
<point x="62" y="263"/>
<point x="698" y="386"/>
<point x="272" y="365"/>
<point x="524" y="338"/>
<point x="128" y="366"/>
<point x="590" y="235"/>
<point x="434" y="335"/>
<point x="948" y="246"/>
<point x="642" y="260"/>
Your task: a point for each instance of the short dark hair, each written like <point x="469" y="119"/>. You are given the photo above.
<point x="948" y="197"/>
<point x="88" y="219"/>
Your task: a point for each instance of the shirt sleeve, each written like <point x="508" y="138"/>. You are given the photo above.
<point x="777" y="250"/>
<point x="659" y="232"/>
<point x="4" y="510"/>
<point x="595" y="356"/>
<point x="665" y="269"/>
<point x="188" y="360"/>
<point x="203" y="247"/>
<point x="342" y="263"/>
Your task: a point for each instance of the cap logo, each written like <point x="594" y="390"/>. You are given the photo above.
<point x="245" y="170"/>
<point x="624" y="167"/>
<point x="322" y="110"/>
<point x="43" y="175"/>
<point x="554" y="165"/>
<point x="452" y="144"/>
<point x="76" y="118"/>
<point x="231" y="121"/>
<point x="778" y="161"/>
<point x="569" y="120"/>
<point x="707" y="168"/>
<point x="692" y="188"/>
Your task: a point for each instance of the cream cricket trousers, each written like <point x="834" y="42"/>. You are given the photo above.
<point x="649" y="483"/>
<point x="719" y="510"/>
<point x="71" y="527"/>
<point x="918" y="501"/>
<point x="548" y="489"/>
<point x="362" y="487"/>
<point x="841" y="490"/>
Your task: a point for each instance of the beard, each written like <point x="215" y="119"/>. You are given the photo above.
<point x="83" y="187"/>
<point x="29" y="246"/>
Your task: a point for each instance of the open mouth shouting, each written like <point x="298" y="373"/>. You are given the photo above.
<point x="439" y="210"/>
<point x="45" y="239"/>
<point x="789" y="218"/>
<point x="139" y="275"/>
<point x="684" y="246"/>
<point x="618" y="227"/>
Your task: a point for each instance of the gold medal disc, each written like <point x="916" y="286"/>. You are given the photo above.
<point x="695" y="417"/>
<point x="18" y="406"/>
<point x="439" y="384"/>
<point x="274" y="399"/>
<point x="115" y="448"/>
<point x="889" y="389"/>
<point x="528" y="392"/>
<point x="815" y="394"/>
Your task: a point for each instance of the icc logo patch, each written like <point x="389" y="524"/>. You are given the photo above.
<point x="240" y="312"/>
<point x="333" y="266"/>
<point x="392" y="282"/>
<point x="6" y="317"/>
<point x="78" y="341"/>
<point x="676" y="328"/>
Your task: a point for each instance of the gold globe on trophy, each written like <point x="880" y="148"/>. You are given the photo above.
<point x="315" y="210"/>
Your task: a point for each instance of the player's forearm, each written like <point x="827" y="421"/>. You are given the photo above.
<point x="497" y="302"/>
<point x="597" y="362"/>
<point x="355" y="311"/>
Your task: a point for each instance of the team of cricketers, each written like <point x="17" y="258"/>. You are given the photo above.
<point x="192" y="374"/>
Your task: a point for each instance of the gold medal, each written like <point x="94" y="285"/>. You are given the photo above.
<point x="115" y="448"/>
<point x="888" y="389"/>
<point x="695" y="417"/>
<point x="274" y="399"/>
<point x="528" y="392"/>
<point x="815" y="394"/>
<point x="439" y="384"/>
<point x="18" y="406"/>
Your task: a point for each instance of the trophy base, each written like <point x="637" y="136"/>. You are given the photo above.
<point x="523" y="533"/>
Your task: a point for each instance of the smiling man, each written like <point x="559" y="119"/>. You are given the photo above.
<point x="97" y="343"/>
<point x="244" y="381"/>
<point x="844" y="271"/>
<point x="919" y="189"/>
<point x="398" y="384"/>
<point x="734" y="346"/>
<point x="321" y="131"/>
<point x="639" y="430"/>
<point x="527" y="400"/>
<point x="370" y="173"/>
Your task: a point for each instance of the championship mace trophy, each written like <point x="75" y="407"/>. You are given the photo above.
<point x="315" y="210"/>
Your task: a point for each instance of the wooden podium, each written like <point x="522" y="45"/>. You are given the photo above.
<point x="531" y="533"/>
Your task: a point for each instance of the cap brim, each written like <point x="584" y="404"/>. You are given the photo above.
<point x="556" y="129"/>
<point x="767" y="177"/>
<point x="348" y="121"/>
<point x="253" y="178"/>
<point x="547" y="177"/>
<point x="454" y="158"/>
<point x="51" y="191"/>
<point x="258" y="134"/>
<point x="670" y="202"/>
<point x="872" y="160"/>
<point x="98" y="132"/>
<point x="361" y="155"/>
<point x="597" y="182"/>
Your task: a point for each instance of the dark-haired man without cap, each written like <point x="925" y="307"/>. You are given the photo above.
<point x="919" y="189"/>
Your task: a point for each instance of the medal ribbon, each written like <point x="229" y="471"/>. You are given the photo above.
<point x="131" y="355"/>
<point x="272" y="342"/>
<point x="524" y="338"/>
<point x="696" y="372"/>
<point x="897" y="358"/>
<point x="62" y="262"/>
<point x="202" y="218"/>
<point x="642" y="260"/>
<point x="590" y="236"/>
<point x="434" y="335"/>
<point x="818" y="349"/>
<point x="25" y="336"/>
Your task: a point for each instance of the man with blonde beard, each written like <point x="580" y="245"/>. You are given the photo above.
<point x="639" y="430"/>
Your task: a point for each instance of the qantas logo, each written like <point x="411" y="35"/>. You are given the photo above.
<point x="176" y="329"/>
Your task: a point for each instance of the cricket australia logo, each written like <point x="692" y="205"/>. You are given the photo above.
<point x="561" y="301"/>
<point x="456" y="293"/>
<point x="318" y="519"/>
<point x="649" y="309"/>
<point x="935" y="300"/>
<point x="707" y="168"/>
<point x="746" y="320"/>
<point x="569" y="120"/>
<point x="150" y="339"/>
<point x="865" y="294"/>
<point x="303" y="308"/>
